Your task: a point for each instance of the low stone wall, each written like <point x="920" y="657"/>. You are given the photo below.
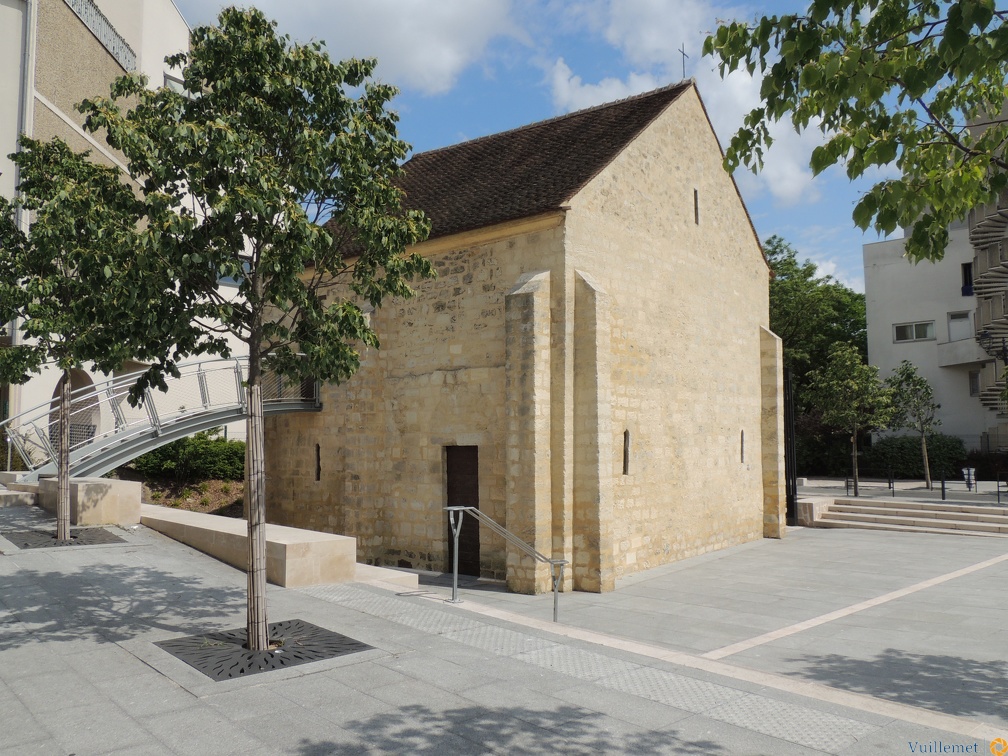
<point x="93" y="501"/>
<point x="294" y="557"/>
<point x="811" y="508"/>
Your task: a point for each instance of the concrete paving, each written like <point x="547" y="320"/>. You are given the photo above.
<point x="829" y="641"/>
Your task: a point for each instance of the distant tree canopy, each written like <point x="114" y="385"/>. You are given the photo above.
<point x="893" y="85"/>
<point x="811" y="312"/>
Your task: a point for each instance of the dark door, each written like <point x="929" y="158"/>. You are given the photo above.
<point x="463" y="491"/>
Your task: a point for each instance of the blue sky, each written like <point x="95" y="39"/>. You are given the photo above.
<point x="467" y="68"/>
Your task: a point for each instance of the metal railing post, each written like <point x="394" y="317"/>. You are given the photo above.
<point x="557" y="580"/>
<point x="203" y="388"/>
<point x="456" y="528"/>
<point x="239" y="388"/>
<point x="152" y="412"/>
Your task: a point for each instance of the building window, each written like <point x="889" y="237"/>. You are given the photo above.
<point x="696" y="206"/>
<point x="318" y="462"/>
<point x="967" y="279"/>
<point x="742" y="448"/>
<point x="974" y="382"/>
<point x="626" y="452"/>
<point x="959" y="326"/>
<point x="924" y="331"/>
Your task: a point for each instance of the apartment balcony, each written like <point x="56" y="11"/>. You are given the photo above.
<point x="961" y="352"/>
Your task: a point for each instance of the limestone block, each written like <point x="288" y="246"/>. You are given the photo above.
<point x="95" y="501"/>
<point x="294" y="557"/>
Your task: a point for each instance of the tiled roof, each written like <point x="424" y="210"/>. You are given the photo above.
<point x="526" y="171"/>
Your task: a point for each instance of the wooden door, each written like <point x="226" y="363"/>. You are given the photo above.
<point x="462" y="463"/>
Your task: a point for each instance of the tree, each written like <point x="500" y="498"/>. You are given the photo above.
<point x="888" y="82"/>
<point x="76" y="281"/>
<point x="914" y="406"/>
<point x="850" y="396"/>
<point x="277" y="169"/>
<point x="810" y="312"/>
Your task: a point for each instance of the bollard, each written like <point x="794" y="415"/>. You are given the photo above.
<point x="943" y="486"/>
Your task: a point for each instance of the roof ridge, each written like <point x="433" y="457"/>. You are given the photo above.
<point x="536" y="124"/>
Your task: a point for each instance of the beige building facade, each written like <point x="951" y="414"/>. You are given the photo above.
<point x="53" y="54"/>
<point x="592" y="367"/>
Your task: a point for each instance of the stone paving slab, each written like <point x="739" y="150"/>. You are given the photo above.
<point x="79" y="671"/>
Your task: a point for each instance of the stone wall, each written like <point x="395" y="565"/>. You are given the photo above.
<point x="439" y="379"/>
<point x="663" y="232"/>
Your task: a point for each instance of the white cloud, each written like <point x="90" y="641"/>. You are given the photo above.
<point x="571" y="93"/>
<point x="649" y="33"/>
<point x="420" y="44"/>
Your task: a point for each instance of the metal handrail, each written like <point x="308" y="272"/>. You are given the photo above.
<point x="507" y="535"/>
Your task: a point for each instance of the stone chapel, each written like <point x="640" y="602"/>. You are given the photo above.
<point x="592" y="367"/>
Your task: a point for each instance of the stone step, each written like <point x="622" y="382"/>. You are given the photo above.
<point x="998" y="516"/>
<point x="953" y="526"/>
<point x="903" y="528"/>
<point x="925" y="506"/>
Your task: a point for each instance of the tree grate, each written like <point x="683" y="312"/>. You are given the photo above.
<point x="42" y="539"/>
<point x="223" y="655"/>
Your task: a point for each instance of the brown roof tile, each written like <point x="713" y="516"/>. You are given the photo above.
<point x="526" y="171"/>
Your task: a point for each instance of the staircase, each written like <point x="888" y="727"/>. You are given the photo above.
<point x="916" y="517"/>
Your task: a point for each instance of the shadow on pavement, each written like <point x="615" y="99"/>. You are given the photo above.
<point x="107" y="604"/>
<point x="566" y="729"/>
<point x="947" y="684"/>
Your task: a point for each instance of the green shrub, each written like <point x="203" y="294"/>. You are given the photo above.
<point x="17" y="464"/>
<point x="204" y="456"/>
<point x="902" y="456"/>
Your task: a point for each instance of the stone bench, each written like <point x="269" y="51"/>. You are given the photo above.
<point x="93" y="501"/>
<point x="294" y="557"/>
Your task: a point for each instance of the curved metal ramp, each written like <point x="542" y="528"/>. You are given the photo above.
<point x="106" y="432"/>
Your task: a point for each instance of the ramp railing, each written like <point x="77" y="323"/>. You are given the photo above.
<point x="556" y="565"/>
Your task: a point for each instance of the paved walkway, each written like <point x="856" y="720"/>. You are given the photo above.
<point x="830" y="641"/>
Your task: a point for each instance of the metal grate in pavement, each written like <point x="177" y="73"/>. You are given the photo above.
<point x="223" y="655"/>
<point x="41" y="539"/>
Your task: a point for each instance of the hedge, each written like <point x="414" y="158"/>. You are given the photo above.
<point x="204" y="456"/>
<point x="902" y="456"/>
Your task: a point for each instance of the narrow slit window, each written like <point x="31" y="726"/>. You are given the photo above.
<point x="318" y="462"/>
<point x="742" y="447"/>
<point x="696" y="207"/>
<point x="626" y="452"/>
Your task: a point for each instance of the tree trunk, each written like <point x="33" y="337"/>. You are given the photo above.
<point x="63" y="463"/>
<point x="927" y="468"/>
<point x="854" y="459"/>
<point x="258" y="629"/>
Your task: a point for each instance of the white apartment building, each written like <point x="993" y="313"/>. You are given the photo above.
<point x="926" y="313"/>
<point x="53" y="54"/>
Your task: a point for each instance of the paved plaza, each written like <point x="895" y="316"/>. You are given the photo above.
<point x="829" y="641"/>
